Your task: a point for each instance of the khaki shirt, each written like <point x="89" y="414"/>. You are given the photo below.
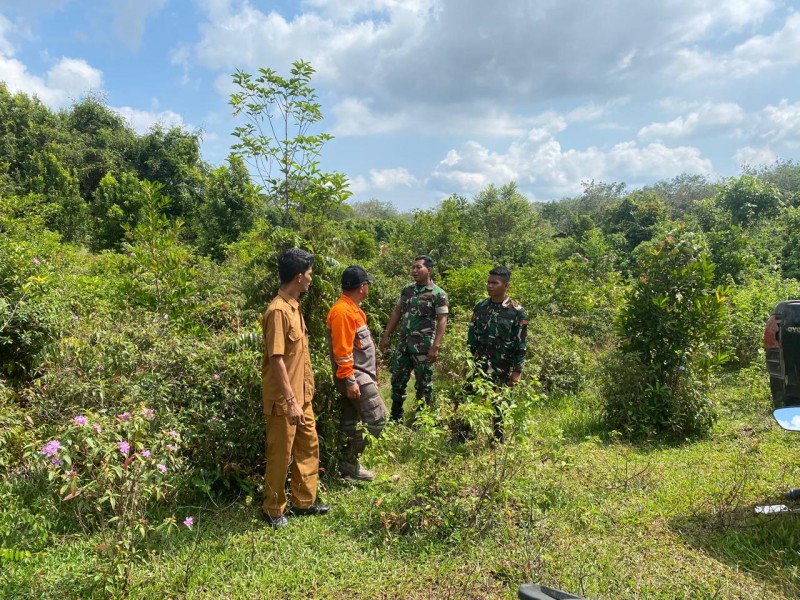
<point x="285" y="334"/>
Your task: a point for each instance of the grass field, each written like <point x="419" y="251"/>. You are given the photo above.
<point x="567" y="507"/>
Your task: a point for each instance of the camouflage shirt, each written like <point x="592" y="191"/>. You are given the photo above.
<point x="497" y="335"/>
<point x="419" y="305"/>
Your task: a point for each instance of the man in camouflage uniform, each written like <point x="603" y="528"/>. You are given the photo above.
<point x="421" y="312"/>
<point x="497" y="336"/>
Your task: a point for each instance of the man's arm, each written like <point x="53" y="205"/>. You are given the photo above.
<point x="520" y="333"/>
<point x="293" y="411"/>
<point x="472" y="338"/>
<point x="343" y="332"/>
<point x="394" y="319"/>
<point x="441" y="325"/>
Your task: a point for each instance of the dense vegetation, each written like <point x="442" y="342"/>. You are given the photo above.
<point x="132" y="275"/>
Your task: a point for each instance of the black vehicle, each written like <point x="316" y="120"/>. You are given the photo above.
<point x="782" y="347"/>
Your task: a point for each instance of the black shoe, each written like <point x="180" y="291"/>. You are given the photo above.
<point x="276" y="522"/>
<point x="312" y="511"/>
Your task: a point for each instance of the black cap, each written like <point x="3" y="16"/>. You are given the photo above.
<point x="354" y="276"/>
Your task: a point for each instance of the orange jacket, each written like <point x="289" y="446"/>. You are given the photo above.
<point x="347" y="327"/>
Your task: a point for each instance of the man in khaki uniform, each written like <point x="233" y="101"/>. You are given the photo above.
<point x="288" y="386"/>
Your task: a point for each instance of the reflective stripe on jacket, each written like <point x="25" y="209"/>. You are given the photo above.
<point x="350" y="344"/>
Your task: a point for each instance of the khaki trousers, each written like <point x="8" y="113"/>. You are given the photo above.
<point x="298" y="443"/>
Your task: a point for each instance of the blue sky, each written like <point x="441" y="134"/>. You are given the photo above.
<point x="427" y="98"/>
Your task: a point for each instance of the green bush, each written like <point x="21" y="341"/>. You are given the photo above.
<point x="671" y="321"/>
<point x="751" y="304"/>
<point x="561" y="361"/>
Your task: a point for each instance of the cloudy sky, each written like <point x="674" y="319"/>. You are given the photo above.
<point x="427" y="98"/>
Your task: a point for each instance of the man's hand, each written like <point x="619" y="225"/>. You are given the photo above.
<point x="515" y="377"/>
<point x="294" y="413"/>
<point x="384" y="344"/>
<point x="353" y="391"/>
<point x="433" y="354"/>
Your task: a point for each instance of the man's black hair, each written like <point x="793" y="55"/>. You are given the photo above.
<point x="426" y="260"/>
<point x="503" y="273"/>
<point x="293" y="262"/>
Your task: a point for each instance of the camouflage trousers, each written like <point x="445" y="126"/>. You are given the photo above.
<point x="402" y="367"/>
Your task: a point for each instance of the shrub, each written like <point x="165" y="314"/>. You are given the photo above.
<point x="559" y="359"/>
<point x="111" y="471"/>
<point x="669" y="325"/>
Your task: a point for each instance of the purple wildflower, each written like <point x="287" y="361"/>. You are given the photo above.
<point x="162" y="468"/>
<point x="188" y="522"/>
<point x="145" y="453"/>
<point x="124" y="416"/>
<point x="149" y="413"/>
<point x="173" y="433"/>
<point x="216" y="376"/>
<point x="171" y="447"/>
<point x="36" y="261"/>
<point x="56" y="461"/>
<point x="124" y="446"/>
<point x="51" y="447"/>
<point x="96" y="427"/>
<point x="101" y="368"/>
<point x="79" y="420"/>
<point x="70" y="473"/>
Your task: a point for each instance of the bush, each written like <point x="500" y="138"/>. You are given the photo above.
<point x="111" y="472"/>
<point x="751" y="304"/>
<point x="210" y="385"/>
<point x="638" y="405"/>
<point x="560" y="360"/>
<point x="671" y="321"/>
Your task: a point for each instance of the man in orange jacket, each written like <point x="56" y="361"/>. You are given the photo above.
<point x="355" y="370"/>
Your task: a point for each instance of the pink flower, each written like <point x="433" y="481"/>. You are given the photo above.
<point x="51" y="447"/>
<point x="101" y="368"/>
<point x="70" y="473"/>
<point x="56" y="461"/>
<point x="162" y="468"/>
<point x="145" y="453"/>
<point x="36" y="261"/>
<point x="149" y="414"/>
<point x="96" y="427"/>
<point x="170" y="448"/>
<point x="124" y="446"/>
<point x="79" y="420"/>
<point x="216" y="376"/>
<point x="173" y="433"/>
<point x="124" y="416"/>
<point x="188" y="522"/>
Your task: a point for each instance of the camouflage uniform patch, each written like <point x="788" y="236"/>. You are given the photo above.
<point x="419" y="306"/>
<point x="497" y="337"/>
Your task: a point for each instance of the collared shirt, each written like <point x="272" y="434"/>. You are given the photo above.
<point x="350" y="343"/>
<point x="419" y="306"/>
<point x="285" y="334"/>
<point x="497" y="335"/>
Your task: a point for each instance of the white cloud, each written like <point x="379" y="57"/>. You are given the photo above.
<point x="754" y="157"/>
<point x="74" y="77"/>
<point x="782" y="122"/>
<point x="538" y="161"/>
<point x="382" y="180"/>
<point x="64" y="82"/>
<point x="6" y="27"/>
<point x="756" y="55"/>
<point x="130" y="17"/>
<point x="707" y="117"/>
<point x="438" y="63"/>
<point x="142" y="120"/>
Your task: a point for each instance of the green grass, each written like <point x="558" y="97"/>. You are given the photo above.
<point x="570" y="508"/>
